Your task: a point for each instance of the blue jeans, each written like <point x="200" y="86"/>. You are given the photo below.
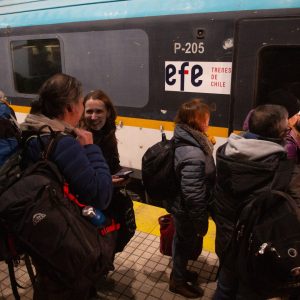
<point x="184" y="243"/>
<point x="230" y="288"/>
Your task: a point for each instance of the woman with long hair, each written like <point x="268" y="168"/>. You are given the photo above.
<point x="99" y="117"/>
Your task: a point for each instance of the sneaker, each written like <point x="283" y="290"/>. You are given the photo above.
<point x="182" y="288"/>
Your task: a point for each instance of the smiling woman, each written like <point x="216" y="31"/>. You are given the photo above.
<point x="100" y="118"/>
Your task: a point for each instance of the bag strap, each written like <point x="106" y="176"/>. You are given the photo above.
<point x="29" y="268"/>
<point x="12" y="277"/>
<point x="71" y="197"/>
<point x="46" y="147"/>
<point x="283" y="175"/>
<point x="291" y="201"/>
<point x="113" y="227"/>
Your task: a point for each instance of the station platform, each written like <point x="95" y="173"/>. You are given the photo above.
<point x="141" y="271"/>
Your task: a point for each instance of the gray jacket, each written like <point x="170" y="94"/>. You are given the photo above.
<point x="195" y="169"/>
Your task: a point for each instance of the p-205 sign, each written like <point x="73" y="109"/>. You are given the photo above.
<point x="198" y="77"/>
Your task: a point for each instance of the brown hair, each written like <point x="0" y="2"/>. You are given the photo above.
<point x="55" y="94"/>
<point x="193" y="113"/>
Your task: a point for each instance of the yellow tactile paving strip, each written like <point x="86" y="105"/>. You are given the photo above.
<point x="147" y="221"/>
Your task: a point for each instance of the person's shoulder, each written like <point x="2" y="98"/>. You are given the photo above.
<point x="190" y="152"/>
<point x="66" y="142"/>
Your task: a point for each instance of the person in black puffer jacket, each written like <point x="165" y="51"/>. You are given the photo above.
<point x="195" y="169"/>
<point x="246" y="165"/>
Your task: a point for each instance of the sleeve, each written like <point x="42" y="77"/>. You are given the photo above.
<point x="113" y="160"/>
<point x="291" y="149"/>
<point x="193" y="188"/>
<point x="294" y="185"/>
<point x="85" y="170"/>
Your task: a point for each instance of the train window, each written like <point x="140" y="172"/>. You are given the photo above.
<point x="278" y="67"/>
<point x="116" y="61"/>
<point x="34" y="61"/>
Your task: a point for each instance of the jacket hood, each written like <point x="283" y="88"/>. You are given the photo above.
<point x="35" y="122"/>
<point x="245" y="165"/>
<point x="239" y="147"/>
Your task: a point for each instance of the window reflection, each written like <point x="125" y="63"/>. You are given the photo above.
<point x="34" y="61"/>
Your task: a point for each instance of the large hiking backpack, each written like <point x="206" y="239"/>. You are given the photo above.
<point x="158" y="173"/>
<point x="51" y="228"/>
<point x="266" y="243"/>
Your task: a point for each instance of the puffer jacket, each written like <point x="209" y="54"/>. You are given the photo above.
<point x="244" y="167"/>
<point x="195" y="169"/>
<point x="83" y="167"/>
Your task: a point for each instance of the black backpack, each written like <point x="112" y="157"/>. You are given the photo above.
<point x="10" y="133"/>
<point x="10" y="171"/>
<point x="121" y="209"/>
<point x="51" y="229"/>
<point x="158" y="173"/>
<point x="266" y="242"/>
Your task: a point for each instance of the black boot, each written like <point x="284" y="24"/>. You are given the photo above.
<point x="181" y="287"/>
<point x="191" y="276"/>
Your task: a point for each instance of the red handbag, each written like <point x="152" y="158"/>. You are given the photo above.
<point x="167" y="231"/>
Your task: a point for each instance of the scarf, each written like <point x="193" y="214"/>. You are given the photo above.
<point x="200" y="137"/>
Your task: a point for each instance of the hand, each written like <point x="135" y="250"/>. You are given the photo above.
<point x="84" y="137"/>
<point x="118" y="181"/>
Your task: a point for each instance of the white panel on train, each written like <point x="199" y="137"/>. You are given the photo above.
<point x="198" y="77"/>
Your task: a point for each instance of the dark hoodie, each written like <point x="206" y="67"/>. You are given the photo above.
<point x="244" y="167"/>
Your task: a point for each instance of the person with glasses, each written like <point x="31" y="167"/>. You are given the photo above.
<point x="245" y="165"/>
<point x="288" y="100"/>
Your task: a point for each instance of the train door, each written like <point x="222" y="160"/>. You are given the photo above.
<point x="266" y="57"/>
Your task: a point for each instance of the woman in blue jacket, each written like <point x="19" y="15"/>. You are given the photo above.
<point x="195" y="168"/>
<point x="60" y="106"/>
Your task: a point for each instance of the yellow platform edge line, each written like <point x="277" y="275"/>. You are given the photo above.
<point x="147" y="221"/>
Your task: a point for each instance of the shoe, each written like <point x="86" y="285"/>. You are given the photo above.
<point x="182" y="288"/>
<point x="191" y="276"/>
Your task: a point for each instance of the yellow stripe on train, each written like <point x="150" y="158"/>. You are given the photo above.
<point x="144" y="123"/>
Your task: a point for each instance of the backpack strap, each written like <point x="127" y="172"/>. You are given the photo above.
<point x="291" y="201"/>
<point x="12" y="277"/>
<point x="112" y="227"/>
<point x="46" y="148"/>
<point x="29" y="268"/>
<point x="283" y="175"/>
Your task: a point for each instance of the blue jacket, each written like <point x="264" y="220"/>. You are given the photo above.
<point x="8" y="140"/>
<point x="8" y="146"/>
<point x="83" y="167"/>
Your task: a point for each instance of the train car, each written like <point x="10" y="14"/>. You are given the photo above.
<point x="150" y="56"/>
